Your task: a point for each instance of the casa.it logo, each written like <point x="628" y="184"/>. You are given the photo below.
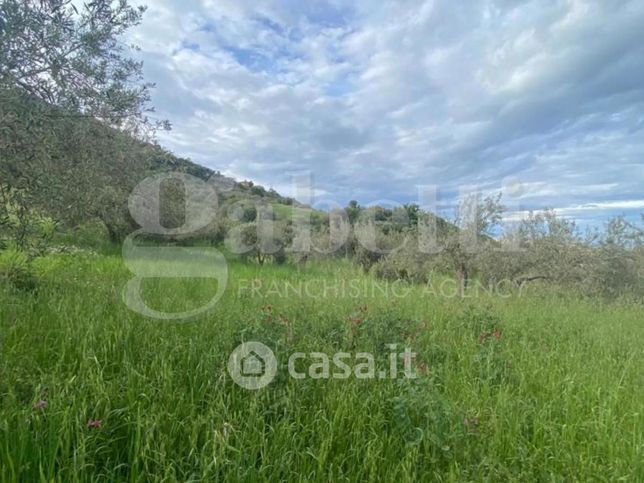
<point x="252" y="365"/>
<point x="146" y="261"/>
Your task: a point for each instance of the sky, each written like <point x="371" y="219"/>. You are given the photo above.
<point x="543" y="100"/>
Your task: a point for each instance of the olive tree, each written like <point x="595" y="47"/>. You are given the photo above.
<point x="74" y="58"/>
<point x="68" y="87"/>
<point x="476" y="220"/>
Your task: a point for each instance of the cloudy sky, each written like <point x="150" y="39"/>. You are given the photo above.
<point x="375" y="98"/>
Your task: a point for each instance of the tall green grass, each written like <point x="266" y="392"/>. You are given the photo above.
<point x="532" y="388"/>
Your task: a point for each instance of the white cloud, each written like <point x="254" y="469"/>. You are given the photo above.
<point x="376" y="97"/>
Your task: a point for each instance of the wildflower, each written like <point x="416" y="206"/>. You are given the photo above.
<point x="226" y="430"/>
<point x="94" y="423"/>
<point x="486" y="335"/>
<point x="268" y="312"/>
<point x="41" y="404"/>
<point x="355" y="320"/>
<point x="471" y="423"/>
<point x="284" y="320"/>
<point x="289" y="335"/>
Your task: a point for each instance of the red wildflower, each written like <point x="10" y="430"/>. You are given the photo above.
<point x="486" y="335"/>
<point x="284" y="320"/>
<point x="94" y="423"/>
<point x="355" y="320"/>
<point x="41" y="404"/>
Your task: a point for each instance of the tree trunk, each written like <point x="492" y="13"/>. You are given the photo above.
<point x="463" y="278"/>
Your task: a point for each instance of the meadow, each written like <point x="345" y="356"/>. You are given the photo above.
<point x="528" y="387"/>
<point x="467" y="147"/>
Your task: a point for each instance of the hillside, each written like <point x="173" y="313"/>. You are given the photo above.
<point x="75" y="169"/>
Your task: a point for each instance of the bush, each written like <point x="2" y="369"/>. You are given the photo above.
<point x="280" y="257"/>
<point x="405" y="264"/>
<point x="382" y="245"/>
<point x="16" y="269"/>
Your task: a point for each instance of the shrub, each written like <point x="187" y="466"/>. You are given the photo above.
<point x="16" y="269"/>
<point x="372" y="244"/>
<point x="407" y="264"/>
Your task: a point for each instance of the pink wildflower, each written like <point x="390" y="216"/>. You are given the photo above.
<point x="41" y="404"/>
<point x="94" y="423"/>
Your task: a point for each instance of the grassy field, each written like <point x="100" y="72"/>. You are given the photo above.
<point x="530" y="388"/>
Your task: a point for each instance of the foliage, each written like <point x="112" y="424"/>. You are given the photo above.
<point x="543" y="250"/>
<point x="73" y="58"/>
<point x="16" y="269"/>
<point x="65" y="82"/>
<point x="261" y="239"/>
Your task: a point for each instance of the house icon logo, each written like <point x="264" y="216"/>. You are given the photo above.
<point x="252" y="365"/>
